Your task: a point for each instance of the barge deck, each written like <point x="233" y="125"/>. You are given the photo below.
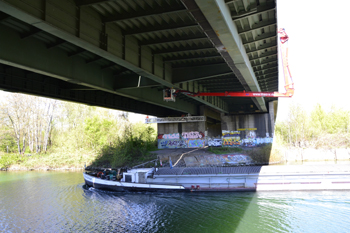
<point x="244" y="178"/>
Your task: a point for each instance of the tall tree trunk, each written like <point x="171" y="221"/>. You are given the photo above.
<point x="49" y="124"/>
<point x="31" y="140"/>
<point x="18" y="141"/>
<point x="17" y="133"/>
<point x="36" y="141"/>
<point x="24" y="143"/>
<point x="47" y="133"/>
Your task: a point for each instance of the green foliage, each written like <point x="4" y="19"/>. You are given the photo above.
<point x="319" y="129"/>
<point x="131" y="148"/>
<point x="98" y="131"/>
<point x="6" y="160"/>
<point x="83" y="134"/>
<point x="8" y="141"/>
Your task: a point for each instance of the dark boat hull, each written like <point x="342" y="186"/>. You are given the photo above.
<point x="117" y="186"/>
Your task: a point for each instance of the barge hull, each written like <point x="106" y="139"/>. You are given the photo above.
<point x="109" y="185"/>
<point x="228" y="179"/>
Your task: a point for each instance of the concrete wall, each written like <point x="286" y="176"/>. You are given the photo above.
<point x="170" y="128"/>
<point x="247" y="130"/>
<point x="262" y="122"/>
<point x="220" y="130"/>
<point x="193" y="126"/>
<point x="214" y="130"/>
<point x="181" y="135"/>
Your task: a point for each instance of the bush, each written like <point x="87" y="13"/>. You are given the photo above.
<point x="8" y="141"/>
<point x="319" y="129"/>
<point x="6" y="160"/>
<point x="131" y="148"/>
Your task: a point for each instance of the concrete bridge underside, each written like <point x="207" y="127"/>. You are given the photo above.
<point x="121" y="54"/>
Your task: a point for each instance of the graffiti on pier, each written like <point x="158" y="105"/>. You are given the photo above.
<point x="192" y="135"/>
<point x="214" y="142"/>
<point x="180" y="143"/>
<point x="233" y="138"/>
<point x="246" y="137"/>
<point x="184" y="135"/>
<point x="230" y="134"/>
<point x="230" y="142"/>
<point x="172" y="143"/>
<point x="250" y="139"/>
<point x="195" y="143"/>
<point x="169" y="136"/>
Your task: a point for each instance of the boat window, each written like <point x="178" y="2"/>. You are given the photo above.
<point x="128" y="178"/>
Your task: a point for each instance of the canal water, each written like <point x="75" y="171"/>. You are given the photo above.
<point x="58" y="202"/>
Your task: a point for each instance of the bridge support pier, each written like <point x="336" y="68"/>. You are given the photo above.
<point x="215" y="129"/>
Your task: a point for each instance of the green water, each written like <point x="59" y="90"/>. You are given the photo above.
<point x="58" y="202"/>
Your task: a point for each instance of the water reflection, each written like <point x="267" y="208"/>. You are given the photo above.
<point x="58" y="202"/>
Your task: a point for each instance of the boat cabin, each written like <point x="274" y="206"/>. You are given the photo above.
<point x="139" y="175"/>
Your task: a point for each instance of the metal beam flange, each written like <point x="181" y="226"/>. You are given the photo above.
<point x="230" y="43"/>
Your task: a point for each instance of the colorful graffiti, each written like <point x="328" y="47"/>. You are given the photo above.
<point x="185" y="135"/>
<point x="192" y="135"/>
<point x="195" y="143"/>
<point x="214" y="142"/>
<point x="170" y="136"/>
<point x="236" y="159"/>
<point x="180" y="143"/>
<point x="195" y="139"/>
<point x="233" y="138"/>
<point x="218" y="160"/>
<point x="230" y="134"/>
<point x="230" y="142"/>
<point x="172" y="143"/>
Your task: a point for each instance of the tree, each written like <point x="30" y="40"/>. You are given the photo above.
<point x="16" y="110"/>
<point x="30" y="119"/>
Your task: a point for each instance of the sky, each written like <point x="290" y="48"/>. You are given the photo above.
<point x="319" y="55"/>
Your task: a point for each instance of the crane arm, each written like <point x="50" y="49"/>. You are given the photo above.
<point x="235" y="94"/>
<point x="289" y="85"/>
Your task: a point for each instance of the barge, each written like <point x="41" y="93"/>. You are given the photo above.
<point x="245" y="178"/>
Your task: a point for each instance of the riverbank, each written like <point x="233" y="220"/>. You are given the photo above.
<point x="200" y="157"/>
<point x="45" y="162"/>
<point x="179" y="157"/>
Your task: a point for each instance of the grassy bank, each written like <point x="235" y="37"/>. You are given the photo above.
<point x="224" y="150"/>
<point x="70" y="160"/>
<point x="127" y="151"/>
<point x="47" y="161"/>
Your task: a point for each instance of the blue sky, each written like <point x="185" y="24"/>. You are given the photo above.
<point x="318" y="52"/>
